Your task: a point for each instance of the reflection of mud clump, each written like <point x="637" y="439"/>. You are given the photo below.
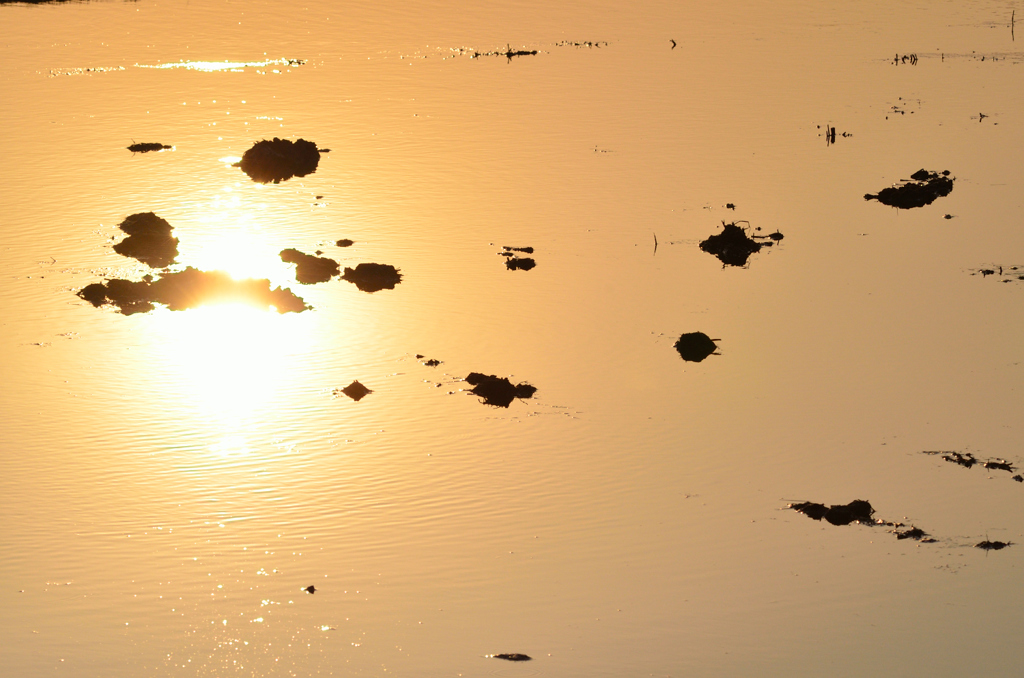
<point x="146" y="148"/>
<point x="858" y="510"/>
<point x="373" y="277"/>
<point x="498" y="391"/>
<point x="695" y="346"/>
<point x="149" y="240"/>
<point x="188" y="289"/>
<point x="280" y="159"/>
<point x="355" y="391"/>
<point x="733" y="246"/>
<point x="922" y="189"/>
<point x="993" y="545"/>
<point x="513" y="657"/>
<point x="310" y="269"/>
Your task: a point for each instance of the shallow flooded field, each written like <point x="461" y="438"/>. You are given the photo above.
<point x="571" y="341"/>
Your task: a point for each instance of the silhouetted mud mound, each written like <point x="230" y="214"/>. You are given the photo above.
<point x="695" y="346"/>
<point x="310" y="269"/>
<point x="517" y="263"/>
<point x="146" y="148"/>
<point x="1002" y="273"/>
<point x="498" y="391"/>
<point x="188" y="289"/>
<point x="993" y="545"/>
<point x="355" y="391"/>
<point x="373" y="277"/>
<point x="733" y="246"/>
<point x="968" y="460"/>
<point x="857" y="510"/>
<point x="280" y="159"/>
<point x="508" y="53"/>
<point x="149" y="240"/>
<point x="311" y="589"/>
<point x="345" y="242"/>
<point x="432" y="362"/>
<point x="512" y="657"/>
<point x="922" y="189"/>
<point x="915" y="533"/>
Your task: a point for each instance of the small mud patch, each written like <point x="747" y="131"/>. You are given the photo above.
<point x="149" y="240"/>
<point x="345" y="242"/>
<point x="373" y="277"/>
<point x="696" y="346"/>
<point x="278" y="160"/>
<point x="355" y="391"/>
<point x="923" y="188"/>
<point x="734" y="245"/>
<point x="507" y="53"/>
<point x="310" y="269"/>
<point x="1004" y="274"/>
<point x="858" y="510"/>
<point x="993" y="545"/>
<point x="511" y="657"/>
<point x="514" y="262"/>
<point x="148" y="148"/>
<point x="498" y="391"/>
<point x="188" y="289"/>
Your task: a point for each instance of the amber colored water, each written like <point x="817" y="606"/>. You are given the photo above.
<point x="170" y="482"/>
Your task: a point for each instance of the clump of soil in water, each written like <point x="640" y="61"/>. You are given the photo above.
<point x="695" y="346"/>
<point x="512" y="657"/>
<point x="355" y="391"/>
<point x="993" y="545"/>
<point x="188" y="289"/>
<point x="149" y="240"/>
<point x="733" y="246"/>
<point x="280" y="159"/>
<point x="922" y="189"/>
<point x="146" y="148"/>
<point x="373" y="277"/>
<point x="498" y="391"/>
<point x="857" y="510"/>
<point x="310" y="269"/>
<point x="345" y="242"/>
<point x="520" y="263"/>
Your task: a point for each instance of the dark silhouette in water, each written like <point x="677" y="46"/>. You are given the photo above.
<point x="857" y="510"/>
<point x="993" y="545"/>
<point x="373" y="277"/>
<point x="310" y="589"/>
<point x="923" y="189"/>
<point x="188" y="289"/>
<point x="149" y="240"/>
<point x="345" y="242"/>
<point x="512" y="657"/>
<point x="498" y="391"/>
<point x="146" y="148"/>
<point x="733" y="246"/>
<point x="310" y="269"/>
<point x="520" y="263"/>
<point x="355" y="391"/>
<point x="280" y="159"/>
<point x="695" y="346"/>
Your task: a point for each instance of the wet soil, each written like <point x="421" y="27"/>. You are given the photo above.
<point x="278" y="160"/>
<point x="310" y="269"/>
<point x="923" y="188"/>
<point x="355" y="391"/>
<point x="188" y="289"/>
<point x="695" y="346"/>
<point x="373" y="277"/>
<point x="498" y="391"/>
<point x="147" y="148"/>
<point x="149" y="240"/>
<point x="734" y="245"/>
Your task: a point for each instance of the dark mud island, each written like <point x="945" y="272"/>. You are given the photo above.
<point x="498" y="391"/>
<point x="149" y="240"/>
<point x="734" y="245"/>
<point x="922" y="189"/>
<point x="373" y="277"/>
<point x="356" y="391"/>
<point x="310" y="269"/>
<point x="859" y="511"/>
<point x="278" y="160"/>
<point x="514" y="262"/>
<point x="148" y="148"/>
<point x="695" y="346"/>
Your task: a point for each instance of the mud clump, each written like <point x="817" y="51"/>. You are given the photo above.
<point x="311" y="589"/>
<point x="857" y="511"/>
<point x="345" y="242"/>
<point x="373" y="277"/>
<point x="922" y="189"/>
<point x="280" y="159"/>
<point x="498" y="391"/>
<point x="188" y="289"/>
<point x="993" y="545"/>
<point x="696" y="346"/>
<point x="733" y="246"/>
<point x="310" y="269"/>
<point x="149" y="240"/>
<point x="520" y="263"/>
<point x="512" y="657"/>
<point x="355" y="391"/>
<point x="147" y="148"/>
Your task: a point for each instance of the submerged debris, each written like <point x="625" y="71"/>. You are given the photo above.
<point x="508" y="53"/>
<point x="310" y="269"/>
<point x="188" y="289"/>
<point x="146" y="148"/>
<point x="373" y="277"/>
<point x="149" y="240"/>
<point x="498" y="391"/>
<point x="922" y="189"/>
<point x="993" y="545"/>
<point x="512" y="657"/>
<point x="280" y="159"/>
<point x="733" y="246"/>
<point x="355" y="391"/>
<point x="695" y="346"/>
